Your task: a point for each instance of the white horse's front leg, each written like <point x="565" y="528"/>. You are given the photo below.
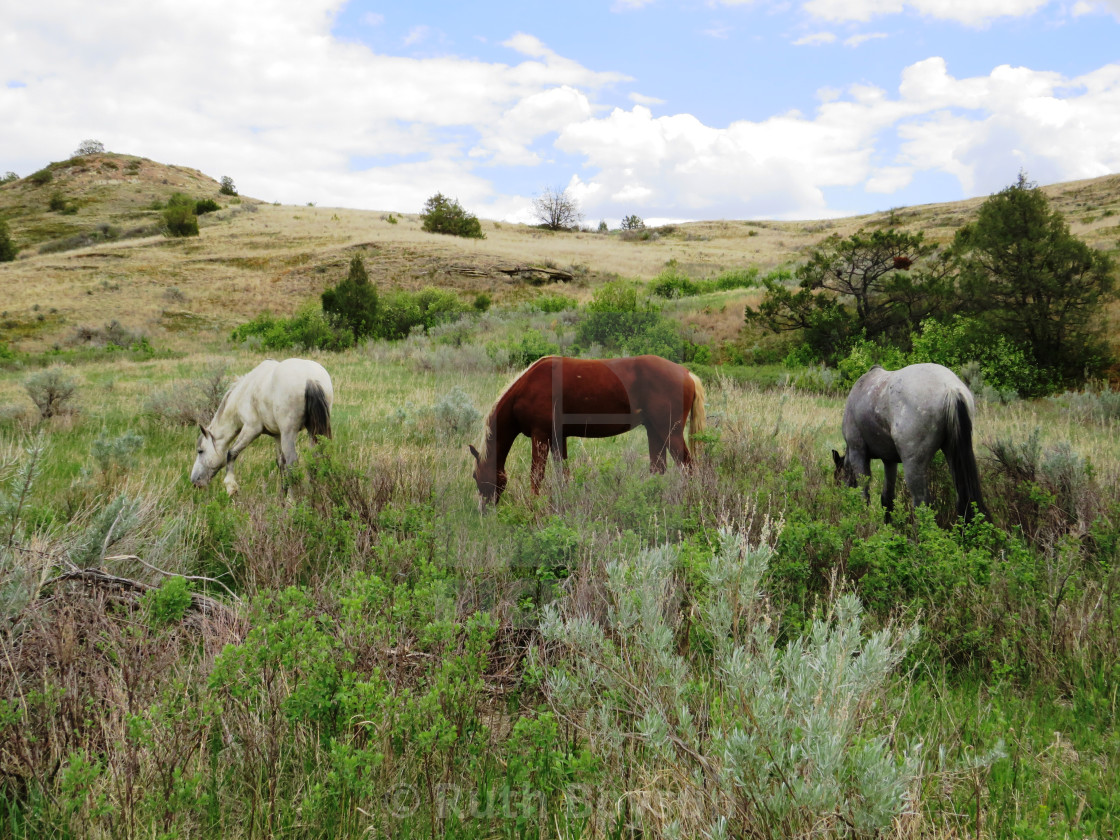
<point x="246" y="436"/>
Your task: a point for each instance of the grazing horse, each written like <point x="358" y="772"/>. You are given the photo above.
<point x="274" y="398"/>
<point x="906" y="416"/>
<point x="557" y="398"/>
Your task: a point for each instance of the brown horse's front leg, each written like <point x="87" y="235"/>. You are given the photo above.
<point x="540" y="458"/>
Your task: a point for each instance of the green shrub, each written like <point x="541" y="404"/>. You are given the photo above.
<point x="446" y="215"/>
<point x="401" y="311"/>
<point x="52" y="390"/>
<point x="180" y="220"/>
<point x="206" y="205"/>
<point x="116" y="452"/>
<point x="227" y="186"/>
<point x="960" y="340"/>
<point x="42" y="177"/>
<point x="8" y="249"/>
<point x="353" y="303"/>
<point x="617" y="322"/>
<point x="57" y="202"/>
<point x="308" y="329"/>
<point x="673" y="283"/>
<point x="168" y="603"/>
<point x="522" y="351"/>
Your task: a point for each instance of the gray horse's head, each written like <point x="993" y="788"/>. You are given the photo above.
<point x="844" y="473"/>
<point x="208" y="460"/>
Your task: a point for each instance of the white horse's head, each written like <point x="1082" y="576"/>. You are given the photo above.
<point x="208" y="461"/>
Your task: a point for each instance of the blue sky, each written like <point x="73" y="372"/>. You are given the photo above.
<point x="670" y="110"/>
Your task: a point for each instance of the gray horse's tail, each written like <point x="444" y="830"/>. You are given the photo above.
<point x="316" y="410"/>
<point x="962" y="459"/>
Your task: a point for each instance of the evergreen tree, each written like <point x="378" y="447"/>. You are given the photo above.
<point x="1025" y="275"/>
<point x="8" y="248"/>
<point x="353" y="303"/>
<point x="445" y="215"/>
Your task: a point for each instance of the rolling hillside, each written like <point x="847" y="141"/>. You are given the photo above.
<point x="101" y="257"/>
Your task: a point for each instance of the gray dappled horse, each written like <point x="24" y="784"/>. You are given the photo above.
<point x="274" y="398"/>
<point x="905" y="416"/>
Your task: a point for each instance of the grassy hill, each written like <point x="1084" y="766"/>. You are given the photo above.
<point x="102" y="256"/>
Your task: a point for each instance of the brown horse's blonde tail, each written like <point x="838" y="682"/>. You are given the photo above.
<point x="697" y="418"/>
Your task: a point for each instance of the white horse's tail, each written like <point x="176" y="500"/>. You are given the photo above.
<point x="316" y="410"/>
<point x="962" y="458"/>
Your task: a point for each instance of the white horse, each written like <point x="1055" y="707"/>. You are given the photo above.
<point x="906" y="416"/>
<point x="274" y="398"/>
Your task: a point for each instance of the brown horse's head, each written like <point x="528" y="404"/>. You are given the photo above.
<point x="844" y="473"/>
<point x="490" y="480"/>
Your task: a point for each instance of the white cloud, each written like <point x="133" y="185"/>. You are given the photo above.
<point x="642" y="99"/>
<point x="373" y="19"/>
<point x="278" y="103"/>
<point x="815" y="39"/>
<point x="417" y="35"/>
<point x="860" y="40"/>
<point x="968" y="12"/>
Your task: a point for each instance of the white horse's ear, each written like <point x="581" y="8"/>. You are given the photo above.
<point x="474" y="451"/>
<point x="205" y="431"/>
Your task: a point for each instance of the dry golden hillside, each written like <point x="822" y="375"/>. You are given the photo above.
<point x="101" y="257"/>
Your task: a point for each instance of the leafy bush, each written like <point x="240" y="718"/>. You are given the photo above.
<point x="227" y="186"/>
<point x="632" y="222"/>
<point x="188" y="403"/>
<point x="616" y="321"/>
<point x="52" y="390"/>
<point x="42" y="177"/>
<point x="959" y="341"/>
<point x="674" y="283"/>
<point x="168" y="603"/>
<point x="353" y="303"/>
<point x="57" y="202"/>
<point x="446" y="215"/>
<point x="522" y="351"/>
<point x="180" y="220"/>
<point x="308" y="329"/>
<point x="402" y="311"/>
<point x="8" y="249"/>
<point x="206" y="205"/>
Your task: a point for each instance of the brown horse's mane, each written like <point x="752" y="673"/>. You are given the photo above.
<point x="488" y="426"/>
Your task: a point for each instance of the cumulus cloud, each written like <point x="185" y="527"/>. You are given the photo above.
<point x="278" y="103"/>
<point x="980" y="130"/>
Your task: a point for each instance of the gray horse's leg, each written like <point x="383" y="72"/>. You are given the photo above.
<point x="917" y="480"/>
<point x="288" y="455"/>
<point x="246" y="436"/>
<point x="890" y="476"/>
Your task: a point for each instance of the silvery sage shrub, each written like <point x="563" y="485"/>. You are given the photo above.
<point x="711" y="727"/>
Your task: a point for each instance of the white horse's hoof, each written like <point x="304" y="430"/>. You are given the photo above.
<point x="231" y="486"/>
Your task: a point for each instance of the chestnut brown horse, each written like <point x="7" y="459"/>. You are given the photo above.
<point x="557" y="398"/>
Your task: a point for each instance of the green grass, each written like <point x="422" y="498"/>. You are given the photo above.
<point x="396" y="663"/>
